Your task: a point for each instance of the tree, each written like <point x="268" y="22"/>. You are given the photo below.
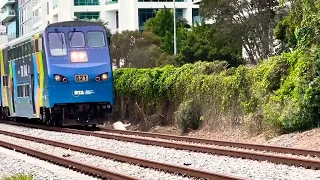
<point x="134" y="48"/>
<point x="301" y="25"/>
<point x="253" y="20"/>
<point x="162" y="26"/>
<point x="208" y="43"/>
<point x="200" y="42"/>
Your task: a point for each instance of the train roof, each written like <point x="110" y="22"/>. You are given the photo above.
<point x="73" y="23"/>
<point x="57" y="24"/>
<point x="21" y="39"/>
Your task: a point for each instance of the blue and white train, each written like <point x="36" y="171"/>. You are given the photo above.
<point x="61" y="75"/>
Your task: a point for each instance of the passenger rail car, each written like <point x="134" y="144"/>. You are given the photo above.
<point x="61" y="75"/>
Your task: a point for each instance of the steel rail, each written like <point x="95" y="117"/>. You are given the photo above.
<point x="123" y="158"/>
<point x="218" y="142"/>
<point x="307" y="163"/>
<point x="68" y="163"/>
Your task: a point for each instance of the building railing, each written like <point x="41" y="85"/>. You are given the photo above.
<point x="80" y="3"/>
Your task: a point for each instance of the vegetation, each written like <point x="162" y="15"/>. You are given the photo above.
<point x="209" y="84"/>
<point x="19" y="177"/>
<point x="154" y="47"/>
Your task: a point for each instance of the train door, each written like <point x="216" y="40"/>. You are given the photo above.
<point x="13" y="96"/>
<point x="32" y="94"/>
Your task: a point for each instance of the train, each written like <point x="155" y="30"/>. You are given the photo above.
<point x="61" y="75"/>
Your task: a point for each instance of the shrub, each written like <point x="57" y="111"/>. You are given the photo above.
<point x="189" y="115"/>
<point x="277" y="91"/>
<point x="19" y="177"/>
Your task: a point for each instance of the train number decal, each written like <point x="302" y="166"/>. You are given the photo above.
<point x="81" y="78"/>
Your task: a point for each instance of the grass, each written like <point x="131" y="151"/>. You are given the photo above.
<point x="19" y="177"/>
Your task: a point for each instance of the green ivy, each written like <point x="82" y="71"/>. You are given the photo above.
<point x="278" y="90"/>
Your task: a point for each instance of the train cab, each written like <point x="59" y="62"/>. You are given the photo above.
<point x="78" y="75"/>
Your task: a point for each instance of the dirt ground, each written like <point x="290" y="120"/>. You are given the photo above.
<point x="305" y="140"/>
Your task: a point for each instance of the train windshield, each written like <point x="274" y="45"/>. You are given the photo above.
<point x="76" y="39"/>
<point x="57" y="44"/>
<point x="96" y="39"/>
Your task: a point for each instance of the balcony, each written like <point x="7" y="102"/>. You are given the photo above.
<point x="196" y="1"/>
<point x="6" y="2"/>
<point x="7" y="15"/>
<point x="111" y="2"/>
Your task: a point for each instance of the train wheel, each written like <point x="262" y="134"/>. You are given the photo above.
<point x="56" y="120"/>
<point x="6" y="113"/>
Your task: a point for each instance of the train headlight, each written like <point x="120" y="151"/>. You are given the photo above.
<point x="79" y="56"/>
<point x="60" y="78"/>
<point x="102" y="77"/>
<point x="57" y="77"/>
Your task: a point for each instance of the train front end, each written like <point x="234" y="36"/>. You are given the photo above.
<point x="80" y="79"/>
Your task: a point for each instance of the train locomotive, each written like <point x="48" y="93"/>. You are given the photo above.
<point x="61" y="75"/>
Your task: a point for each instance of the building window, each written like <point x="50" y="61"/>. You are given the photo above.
<point x="196" y="16"/>
<point x="36" y="12"/>
<point x="87" y="15"/>
<point x="117" y="19"/>
<point x="48" y="8"/>
<point x="144" y="15"/>
<point x="86" y="2"/>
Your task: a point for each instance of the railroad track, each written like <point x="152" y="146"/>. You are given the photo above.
<point x="279" y="159"/>
<point x="80" y="167"/>
<point x="294" y="151"/>
<point x="103" y="173"/>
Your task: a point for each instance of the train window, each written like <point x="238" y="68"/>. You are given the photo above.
<point x="27" y="48"/>
<point x="96" y="39"/>
<point x="57" y="44"/>
<point x="36" y="44"/>
<point x="76" y="39"/>
<point x="30" y="47"/>
<point x="5" y="80"/>
<point x="33" y="46"/>
<point x="19" y="51"/>
<point x="20" y="91"/>
<point x="14" y="55"/>
<point x="9" y="54"/>
<point x="27" y="90"/>
<point x="24" y="49"/>
<point x="40" y="44"/>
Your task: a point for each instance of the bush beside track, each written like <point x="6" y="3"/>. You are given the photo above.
<point x="19" y="177"/>
<point x="279" y="94"/>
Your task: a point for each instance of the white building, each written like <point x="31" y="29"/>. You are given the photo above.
<point x="30" y="15"/>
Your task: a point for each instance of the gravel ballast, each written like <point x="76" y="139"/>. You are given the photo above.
<point x="219" y="164"/>
<point x="218" y="146"/>
<point x="17" y="163"/>
<point x="97" y="161"/>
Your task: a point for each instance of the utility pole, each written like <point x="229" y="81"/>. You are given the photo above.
<point x="174" y="28"/>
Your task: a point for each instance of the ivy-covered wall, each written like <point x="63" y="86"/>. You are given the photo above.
<point x="276" y="94"/>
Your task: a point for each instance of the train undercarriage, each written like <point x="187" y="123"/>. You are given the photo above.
<point x="70" y="114"/>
